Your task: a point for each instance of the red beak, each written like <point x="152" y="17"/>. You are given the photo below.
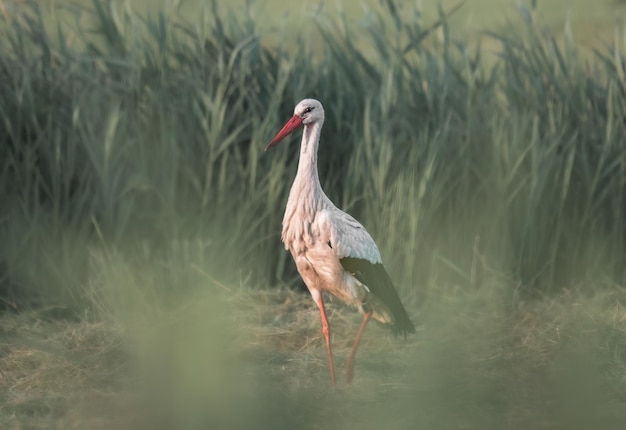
<point x="294" y="123"/>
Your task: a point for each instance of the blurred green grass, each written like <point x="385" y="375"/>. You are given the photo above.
<point x="256" y="359"/>
<point x="592" y="23"/>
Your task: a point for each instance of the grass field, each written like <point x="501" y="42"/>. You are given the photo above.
<point x="477" y="15"/>
<point x="591" y="24"/>
<point x="142" y="279"/>
<point x="476" y="362"/>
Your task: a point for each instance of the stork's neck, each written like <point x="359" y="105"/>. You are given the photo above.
<point x="307" y="175"/>
<point x="306" y="197"/>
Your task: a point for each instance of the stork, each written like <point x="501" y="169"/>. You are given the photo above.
<point x="333" y="252"/>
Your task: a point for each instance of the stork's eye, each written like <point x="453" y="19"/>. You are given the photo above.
<point x="309" y="109"/>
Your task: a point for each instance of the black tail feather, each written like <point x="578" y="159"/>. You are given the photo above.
<point x="377" y="280"/>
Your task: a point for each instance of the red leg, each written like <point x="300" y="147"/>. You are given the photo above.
<point x="357" y="340"/>
<point x="317" y="296"/>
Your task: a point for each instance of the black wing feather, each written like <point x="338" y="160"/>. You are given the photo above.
<point x="375" y="277"/>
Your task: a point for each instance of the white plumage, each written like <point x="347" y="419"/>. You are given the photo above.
<point x="332" y="251"/>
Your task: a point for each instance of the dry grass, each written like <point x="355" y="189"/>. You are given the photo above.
<point x="61" y="373"/>
<point x="479" y="360"/>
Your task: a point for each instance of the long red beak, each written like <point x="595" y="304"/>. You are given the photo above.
<point x="294" y="123"/>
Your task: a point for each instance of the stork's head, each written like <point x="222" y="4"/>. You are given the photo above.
<point x="307" y="112"/>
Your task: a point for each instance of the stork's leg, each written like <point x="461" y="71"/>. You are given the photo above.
<point x="357" y="340"/>
<point x="319" y="299"/>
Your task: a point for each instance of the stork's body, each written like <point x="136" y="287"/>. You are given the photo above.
<point x="332" y="251"/>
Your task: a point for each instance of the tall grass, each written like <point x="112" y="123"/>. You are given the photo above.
<point x="145" y="135"/>
<point x="134" y="193"/>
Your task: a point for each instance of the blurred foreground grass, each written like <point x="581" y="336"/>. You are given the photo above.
<point x="252" y="359"/>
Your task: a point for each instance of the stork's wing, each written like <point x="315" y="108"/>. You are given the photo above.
<point x="359" y="255"/>
<point x="375" y="277"/>
<point x="347" y="236"/>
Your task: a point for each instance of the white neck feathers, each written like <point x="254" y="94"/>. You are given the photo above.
<point x="306" y="197"/>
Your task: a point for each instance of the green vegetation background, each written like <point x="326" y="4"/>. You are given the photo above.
<point x="140" y="218"/>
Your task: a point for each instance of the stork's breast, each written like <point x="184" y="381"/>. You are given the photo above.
<point x="300" y="233"/>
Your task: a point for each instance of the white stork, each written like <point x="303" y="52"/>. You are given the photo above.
<point x="333" y="251"/>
